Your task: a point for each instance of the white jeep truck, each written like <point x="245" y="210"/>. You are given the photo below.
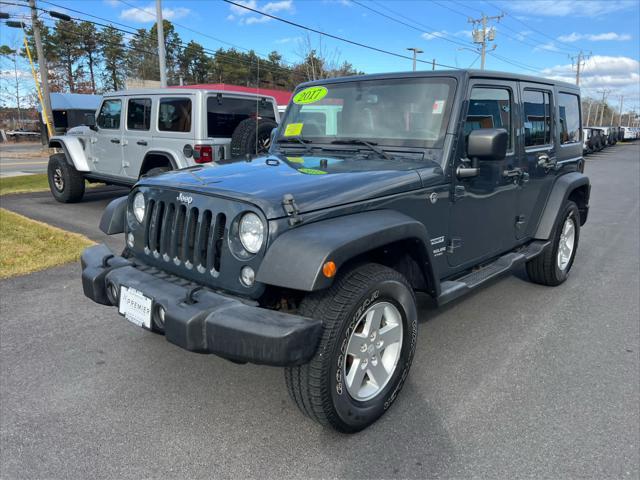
<point x="139" y="133"/>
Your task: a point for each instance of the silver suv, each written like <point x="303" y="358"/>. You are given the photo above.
<point x="137" y="133"/>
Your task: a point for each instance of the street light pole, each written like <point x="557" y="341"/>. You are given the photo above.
<point x="415" y="51"/>
<point x="161" y="51"/>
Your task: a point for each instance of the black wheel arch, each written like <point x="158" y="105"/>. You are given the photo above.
<point x="157" y="159"/>
<point x="574" y="186"/>
<point x="295" y="258"/>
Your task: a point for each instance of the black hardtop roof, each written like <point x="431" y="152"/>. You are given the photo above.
<point x="461" y="74"/>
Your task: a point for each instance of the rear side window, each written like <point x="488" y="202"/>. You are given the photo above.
<point x="139" y="114"/>
<point x="224" y="114"/>
<point x="174" y="115"/>
<point x="489" y="108"/>
<point x="537" y="118"/>
<point x="109" y="116"/>
<point x="568" y="105"/>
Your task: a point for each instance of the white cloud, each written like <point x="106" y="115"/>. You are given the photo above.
<point x="564" y="8"/>
<point x="148" y="14"/>
<point x="11" y="75"/>
<point x="619" y="74"/>
<point x="598" y="37"/>
<point x="432" y="35"/>
<point x="246" y="17"/>
<point x="549" y="47"/>
<point x="112" y="3"/>
<point x="287" y="40"/>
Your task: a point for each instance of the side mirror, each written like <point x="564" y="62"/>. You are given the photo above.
<point x="90" y="120"/>
<point x="488" y="144"/>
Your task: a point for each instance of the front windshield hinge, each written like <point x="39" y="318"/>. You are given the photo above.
<point x="291" y="209"/>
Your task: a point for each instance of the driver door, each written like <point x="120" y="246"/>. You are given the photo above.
<point x="107" y="149"/>
<point x="484" y="209"/>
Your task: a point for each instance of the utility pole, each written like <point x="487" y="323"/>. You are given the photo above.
<point x="42" y="66"/>
<point x="415" y="51"/>
<point x="161" y="51"/>
<point x="589" y="113"/>
<point x="579" y="61"/>
<point x="604" y="92"/>
<point x="484" y="35"/>
<point x="433" y="64"/>
<point x="620" y="111"/>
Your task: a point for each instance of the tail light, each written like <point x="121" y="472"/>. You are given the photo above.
<point x="203" y="153"/>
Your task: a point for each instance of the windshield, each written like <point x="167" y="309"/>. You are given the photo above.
<point x="408" y="112"/>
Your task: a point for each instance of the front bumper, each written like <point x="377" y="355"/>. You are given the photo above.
<point x="200" y="320"/>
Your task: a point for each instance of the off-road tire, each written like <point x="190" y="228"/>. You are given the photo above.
<point x="243" y="139"/>
<point x="316" y="387"/>
<point x="544" y="269"/>
<point x="65" y="182"/>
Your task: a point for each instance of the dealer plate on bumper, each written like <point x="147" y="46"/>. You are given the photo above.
<point x="135" y="307"/>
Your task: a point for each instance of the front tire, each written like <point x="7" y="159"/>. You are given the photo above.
<point x="366" y="349"/>
<point x="553" y="265"/>
<point x="65" y="182"/>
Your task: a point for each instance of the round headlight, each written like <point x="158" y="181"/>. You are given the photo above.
<point x="251" y="232"/>
<point x="138" y="206"/>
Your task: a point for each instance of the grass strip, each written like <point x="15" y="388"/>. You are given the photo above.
<point x="24" y="184"/>
<point x="27" y="246"/>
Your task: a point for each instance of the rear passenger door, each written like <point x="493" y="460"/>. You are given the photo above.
<point x="538" y="154"/>
<point x="137" y="137"/>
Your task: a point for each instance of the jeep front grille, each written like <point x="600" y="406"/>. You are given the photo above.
<point x="185" y="235"/>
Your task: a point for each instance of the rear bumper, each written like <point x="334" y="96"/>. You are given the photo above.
<point x="208" y="322"/>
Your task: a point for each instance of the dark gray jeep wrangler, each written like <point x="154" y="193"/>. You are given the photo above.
<point x="375" y="187"/>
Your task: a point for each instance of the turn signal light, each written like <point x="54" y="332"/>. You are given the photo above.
<point x="329" y="269"/>
<point x="203" y="153"/>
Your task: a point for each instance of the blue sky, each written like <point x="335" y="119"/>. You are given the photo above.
<point x="535" y="36"/>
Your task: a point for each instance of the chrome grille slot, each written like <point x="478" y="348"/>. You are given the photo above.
<point x="218" y="235"/>
<point x="188" y="242"/>
<point x="202" y="237"/>
<point x="177" y="235"/>
<point x="165" y="231"/>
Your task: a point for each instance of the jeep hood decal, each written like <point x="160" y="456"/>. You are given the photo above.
<point x="315" y="182"/>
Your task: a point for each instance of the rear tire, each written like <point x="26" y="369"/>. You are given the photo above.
<point x="553" y="265"/>
<point x="243" y="140"/>
<point x="339" y="387"/>
<point x="65" y="182"/>
<point x="156" y="171"/>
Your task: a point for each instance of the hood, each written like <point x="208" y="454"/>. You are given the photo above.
<point x="316" y="182"/>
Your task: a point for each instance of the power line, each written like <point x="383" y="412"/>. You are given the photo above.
<point x="573" y="49"/>
<point x="329" y="35"/>
<point x="433" y="31"/>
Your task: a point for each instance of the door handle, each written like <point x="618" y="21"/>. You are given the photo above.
<point x="142" y="142"/>
<point x="545" y="161"/>
<point x="115" y="140"/>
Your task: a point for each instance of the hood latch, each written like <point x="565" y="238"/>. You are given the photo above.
<point x="291" y="209"/>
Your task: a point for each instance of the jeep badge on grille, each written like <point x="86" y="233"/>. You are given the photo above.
<point x="184" y="198"/>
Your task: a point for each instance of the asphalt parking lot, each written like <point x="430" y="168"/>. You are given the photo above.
<point x="516" y="380"/>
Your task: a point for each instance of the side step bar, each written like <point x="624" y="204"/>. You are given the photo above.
<point x="452" y="289"/>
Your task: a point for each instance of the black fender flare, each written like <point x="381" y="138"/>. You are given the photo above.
<point x="561" y="190"/>
<point x="114" y="216"/>
<point x="295" y="258"/>
<point x="160" y="153"/>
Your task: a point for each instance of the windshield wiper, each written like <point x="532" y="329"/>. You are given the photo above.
<point x="296" y="139"/>
<point x="370" y="145"/>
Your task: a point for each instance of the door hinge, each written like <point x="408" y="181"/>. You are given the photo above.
<point x="454" y="244"/>
<point x="291" y="209"/>
<point x="520" y="221"/>
<point x="459" y="192"/>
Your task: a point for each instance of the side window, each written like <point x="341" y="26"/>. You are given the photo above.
<point x="139" y="114"/>
<point x="489" y="108"/>
<point x="568" y="105"/>
<point x="225" y="113"/>
<point x="174" y="115"/>
<point x="537" y="118"/>
<point x="109" y="116"/>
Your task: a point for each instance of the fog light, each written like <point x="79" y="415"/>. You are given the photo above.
<point x="247" y="276"/>
<point x="130" y="240"/>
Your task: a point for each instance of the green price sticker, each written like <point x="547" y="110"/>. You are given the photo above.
<point x="311" y="171"/>
<point x="310" y="95"/>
